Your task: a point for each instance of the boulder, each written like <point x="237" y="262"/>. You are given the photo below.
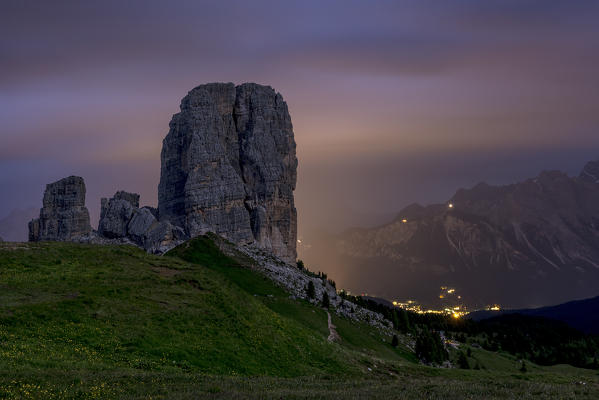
<point x="139" y="226"/>
<point x="132" y="198"/>
<point x="116" y="213"/>
<point x="163" y="236"/>
<point x="63" y="215"/>
<point x="229" y="167"/>
<point x="122" y="221"/>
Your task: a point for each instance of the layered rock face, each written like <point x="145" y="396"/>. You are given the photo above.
<point x="63" y="215"/>
<point x="229" y="167"/>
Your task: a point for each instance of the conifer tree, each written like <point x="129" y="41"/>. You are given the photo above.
<point x="325" y="299"/>
<point x="310" y="290"/>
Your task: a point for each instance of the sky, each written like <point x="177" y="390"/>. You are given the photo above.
<point x="392" y="102"/>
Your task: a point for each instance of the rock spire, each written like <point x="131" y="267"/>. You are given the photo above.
<point x="63" y="215"/>
<point x="229" y="167"/>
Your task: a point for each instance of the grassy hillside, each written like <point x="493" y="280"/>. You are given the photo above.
<point x="85" y="321"/>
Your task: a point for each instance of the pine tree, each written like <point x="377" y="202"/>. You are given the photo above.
<point x="523" y="367"/>
<point x="325" y="299"/>
<point x="430" y="348"/>
<point x="311" y="291"/>
<point x="300" y="264"/>
<point x="395" y="341"/>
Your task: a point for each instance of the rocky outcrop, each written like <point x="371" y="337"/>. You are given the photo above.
<point x="296" y="281"/>
<point x="65" y="218"/>
<point x="121" y="218"/>
<point x="116" y="213"/>
<point x="139" y="224"/>
<point x="63" y="215"/>
<point x="163" y="236"/>
<point x="590" y="172"/>
<point x="229" y="167"/>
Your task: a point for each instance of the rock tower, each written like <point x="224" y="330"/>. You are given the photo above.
<point x="229" y="167"/>
<point x="63" y="215"/>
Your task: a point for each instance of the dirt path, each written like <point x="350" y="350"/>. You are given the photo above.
<point x="333" y="335"/>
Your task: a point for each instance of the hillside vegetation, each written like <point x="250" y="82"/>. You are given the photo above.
<point x="90" y="321"/>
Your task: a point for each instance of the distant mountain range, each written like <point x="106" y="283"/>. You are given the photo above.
<point x="527" y="244"/>
<point x="13" y="227"/>
<point x="580" y="314"/>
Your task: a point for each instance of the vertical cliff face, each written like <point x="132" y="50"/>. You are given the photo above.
<point x="229" y="167"/>
<point x="63" y="215"/>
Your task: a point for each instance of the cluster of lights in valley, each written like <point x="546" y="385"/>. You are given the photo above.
<point x="456" y="311"/>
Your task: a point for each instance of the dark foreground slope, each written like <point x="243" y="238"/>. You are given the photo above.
<point x="85" y="321"/>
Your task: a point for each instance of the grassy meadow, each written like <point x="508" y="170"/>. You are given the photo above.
<point x="101" y="322"/>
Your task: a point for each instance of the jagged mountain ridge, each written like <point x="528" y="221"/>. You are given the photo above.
<point x="590" y="172"/>
<point x="580" y="314"/>
<point x="535" y="242"/>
